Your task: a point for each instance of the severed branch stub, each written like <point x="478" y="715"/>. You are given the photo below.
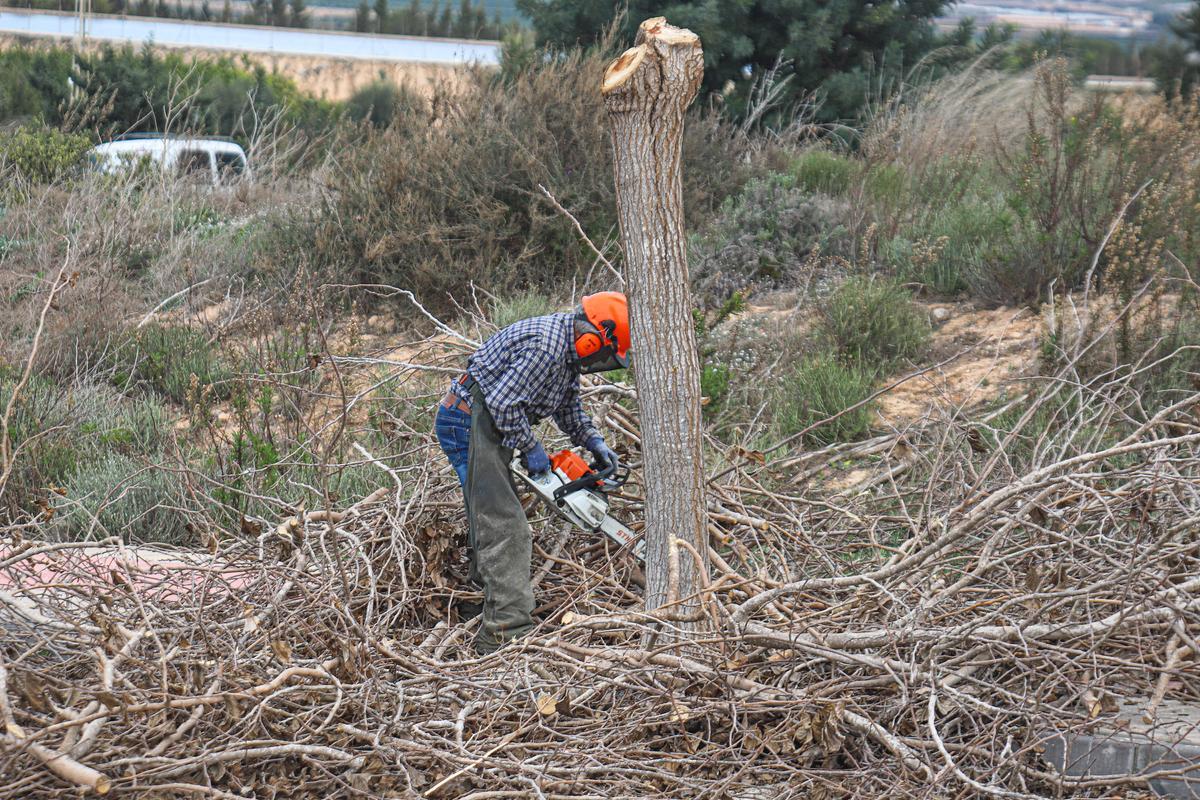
<point x="647" y="91"/>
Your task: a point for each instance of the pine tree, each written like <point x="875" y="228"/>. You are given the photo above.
<point x="299" y="16"/>
<point x="461" y="26"/>
<point x="205" y="11"/>
<point x="279" y="13"/>
<point x="409" y="22"/>
<point x="843" y="49"/>
<point x="445" y="20"/>
<point x="227" y="12"/>
<point x="362" y="17"/>
<point x="381" y="16"/>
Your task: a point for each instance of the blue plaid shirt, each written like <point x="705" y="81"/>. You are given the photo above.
<point x="525" y="376"/>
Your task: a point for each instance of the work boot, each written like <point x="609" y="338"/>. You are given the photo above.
<point x="467" y="608"/>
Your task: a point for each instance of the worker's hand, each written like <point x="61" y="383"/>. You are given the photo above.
<point x="603" y="453"/>
<point x="536" y="460"/>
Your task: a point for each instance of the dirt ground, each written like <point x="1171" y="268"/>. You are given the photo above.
<point x="987" y="351"/>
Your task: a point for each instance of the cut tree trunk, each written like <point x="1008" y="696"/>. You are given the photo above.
<point x="647" y="91"/>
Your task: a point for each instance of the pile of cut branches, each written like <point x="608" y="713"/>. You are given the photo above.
<point x="1009" y="573"/>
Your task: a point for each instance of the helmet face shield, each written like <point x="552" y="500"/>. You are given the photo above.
<point x="605" y="359"/>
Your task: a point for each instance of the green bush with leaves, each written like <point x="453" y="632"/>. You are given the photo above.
<point x="381" y="103"/>
<point x="59" y="433"/>
<point x="873" y="323"/>
<point x="119" y="89"/>
<point x="818" y="389"/>
<point x="507" y="310"/>
<point x="714" y="382"/>
<point x="121" y="495"/>
<point x="176" y="362"/>
<point x="824" y="172"/>
<point x="762" y="237"/>
<point x="956" y="248"/>
<point x="40" y="154"/>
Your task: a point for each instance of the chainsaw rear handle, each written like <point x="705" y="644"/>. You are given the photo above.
<point x="592" y="480"/>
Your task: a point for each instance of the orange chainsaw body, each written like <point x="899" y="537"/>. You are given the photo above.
<point x="570" y="464"/>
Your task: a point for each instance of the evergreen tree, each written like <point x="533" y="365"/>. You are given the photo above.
<point x="205" y="11"/>
<point x="299" y="15"/>
<point x="362" y="17"/>
<point x="1175" y="63"/>
<point x="445" y="23"/>
<point x="261" y="15"/>
<point x="279" y="12"/>
<point x="840" y="48"/>
<point x="381" y="16"/>
<point x="431" y="15"/>
<point x="416" y="19"/>
<point x="227" y="12"/>
<point x="461" y="27"/>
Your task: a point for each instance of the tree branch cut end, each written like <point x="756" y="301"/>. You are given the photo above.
<point x="618" y="71"/>
<point x="654" y="35"/>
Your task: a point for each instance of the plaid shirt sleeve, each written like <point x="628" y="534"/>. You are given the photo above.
<point x="572" y="420"/>
<point x="507" y="400"/>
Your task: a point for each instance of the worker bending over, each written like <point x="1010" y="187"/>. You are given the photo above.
<point x="522" y="374"/>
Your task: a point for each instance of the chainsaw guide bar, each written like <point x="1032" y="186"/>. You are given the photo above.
<point x="577" y="493"/>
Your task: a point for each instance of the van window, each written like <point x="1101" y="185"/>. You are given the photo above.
<point x="195" y="164"/>
<point x="230" y="167"/>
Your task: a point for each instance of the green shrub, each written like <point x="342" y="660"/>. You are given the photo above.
<point x="119" y="495"/>
<point x="174" y="361"/>
<point x="961" y="247"/>
<point x="819" y="388"/>
<point x="873" y="323"/>
<point x="824" y="172"/>
<point x="41" y="155"/>
<point x="56" y="432"/>
<point x="762" y="238"/>
<point x="381" y="103"/>
<point x="507" y="310"/>
<point x="714" y="382"/>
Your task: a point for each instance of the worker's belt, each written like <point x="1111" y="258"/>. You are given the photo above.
<point x="451" y="400"/>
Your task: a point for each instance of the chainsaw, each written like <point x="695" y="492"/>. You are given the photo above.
<point x="577" y="492"/>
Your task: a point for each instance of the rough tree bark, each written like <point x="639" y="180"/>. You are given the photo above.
<point x="647" y="91"/>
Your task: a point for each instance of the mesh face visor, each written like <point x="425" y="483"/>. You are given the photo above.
<point x="603" y="360"/>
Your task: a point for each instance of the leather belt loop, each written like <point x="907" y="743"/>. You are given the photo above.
<point x="451" y="400"/>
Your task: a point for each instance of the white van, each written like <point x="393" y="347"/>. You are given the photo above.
<point x="215" y="161"/>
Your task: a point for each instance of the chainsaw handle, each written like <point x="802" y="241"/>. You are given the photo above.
<point x="592" y="479"/>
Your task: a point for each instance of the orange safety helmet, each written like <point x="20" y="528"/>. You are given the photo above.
<point x="602" y="333"/>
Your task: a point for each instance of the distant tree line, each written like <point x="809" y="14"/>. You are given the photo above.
<point x="467" y="21"/>
<point x="443" y="18"/>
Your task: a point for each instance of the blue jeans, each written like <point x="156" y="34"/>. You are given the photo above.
<point x="453" y="429"/>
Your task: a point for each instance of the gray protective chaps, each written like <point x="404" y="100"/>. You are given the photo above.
<point x="498" y="534"/>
